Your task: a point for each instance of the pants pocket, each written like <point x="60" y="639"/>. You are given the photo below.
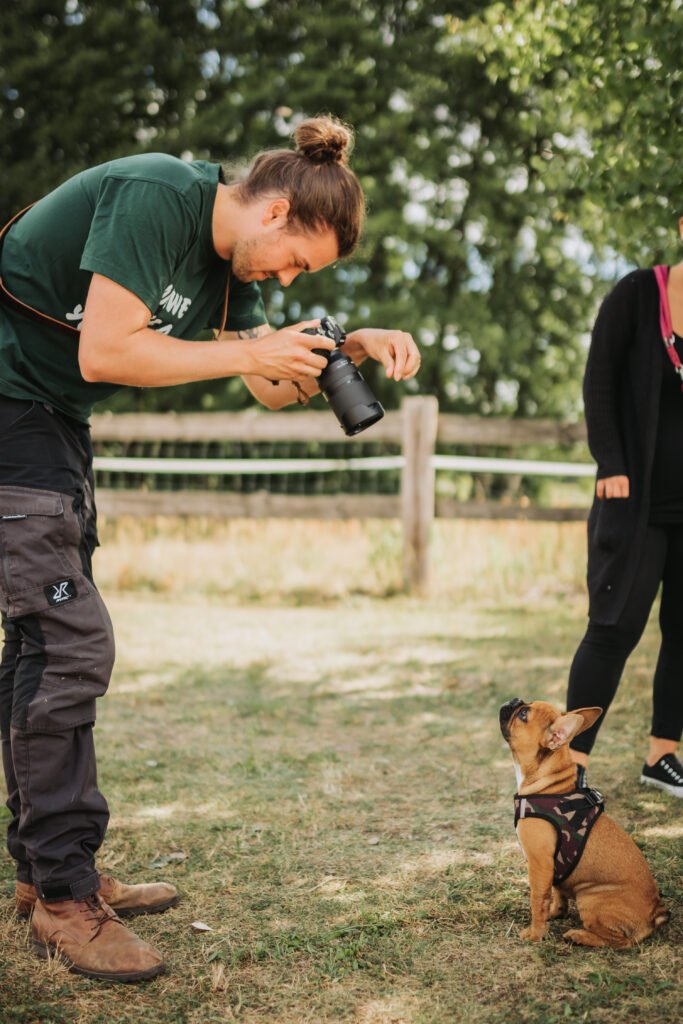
<point x="612" y="522"/>
<point x="67" y="655"/>
<point x="40" y="536"/>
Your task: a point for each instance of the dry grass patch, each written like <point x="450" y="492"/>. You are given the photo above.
<point x="301" y="561"/>
<point x="328" y="788"/>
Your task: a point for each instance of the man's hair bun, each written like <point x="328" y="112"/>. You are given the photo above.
<point x="315" y="177"/>
<point x="324" y="140"/>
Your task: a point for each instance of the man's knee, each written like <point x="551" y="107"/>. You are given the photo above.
<point x="67" y="656"/>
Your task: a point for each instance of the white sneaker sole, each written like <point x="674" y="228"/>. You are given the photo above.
<point x="667" y="787"/>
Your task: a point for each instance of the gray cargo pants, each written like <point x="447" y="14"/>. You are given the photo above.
<point x="57" y="659"/>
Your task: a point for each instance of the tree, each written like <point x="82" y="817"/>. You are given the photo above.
<point x="461" y="247"/>
<point x="609" y="73"/>
<point x="85" y="82"/>
<point x="466" y="245"/>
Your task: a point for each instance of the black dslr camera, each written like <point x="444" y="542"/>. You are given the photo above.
<point x="352" y="401"/>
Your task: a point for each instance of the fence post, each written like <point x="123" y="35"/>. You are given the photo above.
<point x="420" y="424"/>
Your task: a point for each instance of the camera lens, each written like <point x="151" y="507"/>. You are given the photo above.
<point x="351" y="398"/>
<point x="343" y="385"/>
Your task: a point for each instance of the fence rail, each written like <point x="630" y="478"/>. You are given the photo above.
<point x="417" y="428"/>
<point x="266" y="467"/>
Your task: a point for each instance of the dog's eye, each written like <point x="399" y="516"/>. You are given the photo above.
<point x="524" y="714"/>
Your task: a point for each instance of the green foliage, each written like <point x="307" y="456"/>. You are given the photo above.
<point x="610" y="73"/>
<point x="85" y="82"/>
<point x="460" y="249"/>
<point x="494" y="142"/>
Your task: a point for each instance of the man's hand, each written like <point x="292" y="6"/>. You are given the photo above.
<point x="612" y="487"/>
<point x="396" y="350"/>
<point x="116" y="345"/>
<point x="288" y="354"/>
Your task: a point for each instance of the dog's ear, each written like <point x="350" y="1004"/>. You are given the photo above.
<point x="566" y="727"/>
<point x="562" y="730"/>
<point x="589" y="715"/>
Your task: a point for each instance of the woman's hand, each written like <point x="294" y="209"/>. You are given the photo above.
<point x="612" y="487"/>
<point x="396" y="350"/>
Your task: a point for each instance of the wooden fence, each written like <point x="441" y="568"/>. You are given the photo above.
<point x="418" y="428"/>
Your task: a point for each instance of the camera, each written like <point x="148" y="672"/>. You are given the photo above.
<point x="342" y="384"/>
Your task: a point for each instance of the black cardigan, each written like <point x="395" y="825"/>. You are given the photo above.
<point x="621" y="394"/>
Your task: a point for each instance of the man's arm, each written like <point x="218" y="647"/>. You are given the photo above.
<point x="396" y="350"/>
<point x="273" y="396"/>
<point x="117" y="346"/>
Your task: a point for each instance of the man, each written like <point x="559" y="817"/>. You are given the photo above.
<point x="104" y="281"/>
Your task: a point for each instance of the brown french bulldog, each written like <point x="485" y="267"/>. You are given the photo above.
<point x="573" y="849"/>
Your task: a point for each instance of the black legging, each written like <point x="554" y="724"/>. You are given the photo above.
<point x="601" y="656"/>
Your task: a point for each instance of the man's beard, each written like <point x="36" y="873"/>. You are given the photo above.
<point x="243" y="259"/>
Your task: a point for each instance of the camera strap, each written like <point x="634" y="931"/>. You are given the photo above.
<point x="301" y="396"/>
<point x="665" y="325"/>
<point x="9" y="299"/>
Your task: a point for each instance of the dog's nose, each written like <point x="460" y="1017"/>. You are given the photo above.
<point x="508" y="709"/>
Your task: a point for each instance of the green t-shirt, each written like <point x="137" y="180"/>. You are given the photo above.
<point x="142" y="221"/>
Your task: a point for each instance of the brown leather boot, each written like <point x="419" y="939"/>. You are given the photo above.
<point x="126" y="900"/>
<point x="90" y="939"/>
<point x="25" y="896"/>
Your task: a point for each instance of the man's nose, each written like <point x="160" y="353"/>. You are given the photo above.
<point x="285" y="277"/>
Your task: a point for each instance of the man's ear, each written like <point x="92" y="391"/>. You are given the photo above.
<point x="566" y="727"/>
<point x="276" y="213"/>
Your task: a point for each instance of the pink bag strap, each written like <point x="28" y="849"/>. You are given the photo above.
<point x="662" y="276"/>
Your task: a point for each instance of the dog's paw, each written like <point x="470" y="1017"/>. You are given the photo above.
<point x="532" y="934"/>
<point x="581" y="937"/>
<point x="559" y="906"/>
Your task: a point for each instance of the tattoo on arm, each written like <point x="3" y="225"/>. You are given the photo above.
<point x="248" y="334"/>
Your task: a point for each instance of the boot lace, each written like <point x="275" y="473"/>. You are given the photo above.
<point x="97" y="911"/>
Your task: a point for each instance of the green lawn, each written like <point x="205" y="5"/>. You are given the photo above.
<point x="328" y="788"/>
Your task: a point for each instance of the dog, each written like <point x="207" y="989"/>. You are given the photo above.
<point x="573" y="849"/>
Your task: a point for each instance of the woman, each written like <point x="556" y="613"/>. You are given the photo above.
<point x="634" y="414"/>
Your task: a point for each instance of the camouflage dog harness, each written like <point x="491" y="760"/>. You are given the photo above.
<point x="572" y="814"/>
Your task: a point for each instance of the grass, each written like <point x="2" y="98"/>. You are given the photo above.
<point x="326" y="784"/>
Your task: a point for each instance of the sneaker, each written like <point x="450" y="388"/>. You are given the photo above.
<point x="667" y="774"/>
